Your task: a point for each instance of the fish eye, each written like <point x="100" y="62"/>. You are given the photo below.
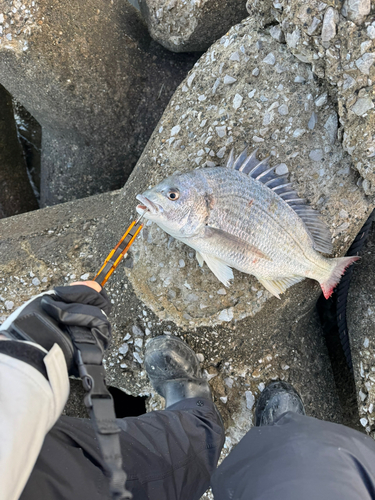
<point x="173" y="194"/>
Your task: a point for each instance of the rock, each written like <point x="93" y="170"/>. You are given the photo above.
<point x="330" y="20"/>
<point x="257" y="122"/>
<point x="259" y="338"/>
<point x="362" y="105"/>
<point x="16" y="193"/>
<point x="356" y="10"/>
<point x="182" y="26"/>
<point x="361" y="327"/>
<point x="341" y="52"/>
<point x="88" y="76"/>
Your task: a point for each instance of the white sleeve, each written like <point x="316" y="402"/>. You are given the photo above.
<point x="29" y="406"/>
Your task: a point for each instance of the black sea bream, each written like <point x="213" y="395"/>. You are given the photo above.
<point x="244" y="216"/>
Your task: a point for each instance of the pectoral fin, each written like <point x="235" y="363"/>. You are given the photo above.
<point x="220" y="269"/>
<point x="279" y="286"/>
<point x="228" y="240"/>
<point x="199" y="258"/>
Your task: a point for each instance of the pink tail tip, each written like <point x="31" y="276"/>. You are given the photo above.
<point x="342" y="263"/>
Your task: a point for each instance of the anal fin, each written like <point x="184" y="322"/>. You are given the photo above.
<point x="220" y="269"/>
<point x="279" y="286"/>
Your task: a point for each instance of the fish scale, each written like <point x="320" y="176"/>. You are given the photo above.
<point x="244" y="216"/>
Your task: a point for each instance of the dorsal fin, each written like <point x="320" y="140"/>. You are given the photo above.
<point x="262" y="172"/>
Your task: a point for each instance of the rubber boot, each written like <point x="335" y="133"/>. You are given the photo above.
<point x="277" y="398"/>
<point x="174" y="370"/>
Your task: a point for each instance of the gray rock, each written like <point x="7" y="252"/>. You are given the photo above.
<point x="357" y="10"/>
<point x="277" y="34"/>
<point x="97" y="86"/>
<point x="312" y="121"/>
<point x="330" y="20"/>
<point x="283" y="109"/>
<point x="190" y="26"/>
<point x="365" y="62"/>
<point x="16" y="193"/>
<point x="331" y="126"/>
<point x="362" y="105"/>
<point x="361" y="326"/>
<point x="316" y="154"/>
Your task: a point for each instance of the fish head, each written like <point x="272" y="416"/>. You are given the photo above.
<point x="176" y="205"/>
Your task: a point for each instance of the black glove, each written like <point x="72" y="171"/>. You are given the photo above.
<point x="71" y="314"/>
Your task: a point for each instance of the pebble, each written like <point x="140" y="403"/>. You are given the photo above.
<point x="365" y="62"/>
<point x="293" y="38"/>
<point x="281" y="169"/>
<point x="200" y="357"/>
<point x="316" y="154"/>
<point x="315" y="23"/>
<point x="226" y="314"/>
<point x="85" y="276"/>
<point x="261" y="387"/>
<point x="312" y="122"/>
<point x="9" y="304"/>
<point x="331" y="126"/>
<point x="137" y="357"/>
<point x="364" y="422"/>
<point x="356" y="10"/>
<point x="228" y="80"/>
<point x="321" y="100"/>
<point x="362" y="105"/>
<point x="235" y="57"/>
<point x="362" y="396"/>
<point x="255" y="72"/>
<point x="137" y="331"/>
<point x="181" y="263"/>
<point x="329" y="24"/>
<point x="127" y="336"/>
<point x="371" y="31"/>
<point x="123" y="365"/>
<point x="250" y="399"/>
<point x="222" y="291"/>
<point x="224" y="399"/>
<point x="36" y="282"/>
<point x="252" y="93"/>
<point x="366" y="342"/>
<point x="299" y="132"/>
<point x="175" y="130"/>
<point x="123" y="349"/>
<point x="270" y="59"/>
<point x="348" y="82"/>
<point x="190" y="79"/>
<point x="299" y="79"/>
<point x="283" y="109"/>
<point x="277" y="33"/>
<point x="229" y="382"/>
<point x="221" y="152"/>
<point x="221" y="131"/>
<point x="138" y="342"/>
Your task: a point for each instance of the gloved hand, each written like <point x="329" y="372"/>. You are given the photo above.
<point x="57" y="317"/>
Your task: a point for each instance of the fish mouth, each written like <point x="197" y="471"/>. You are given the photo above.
<point x="147" y="205"/>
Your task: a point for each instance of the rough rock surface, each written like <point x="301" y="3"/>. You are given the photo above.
<point x="184" y="25"/>
<point x="94" y="80"/>
<point x="338" y="41"/>
<point x="247" y="89"/>
<point x="66" y="242"/>
<point x="243" y="343"/>
<point x="361" y="327"/>
<point x="16" y="194"/>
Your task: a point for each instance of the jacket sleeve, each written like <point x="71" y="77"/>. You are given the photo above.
<point x="34" y="388"/>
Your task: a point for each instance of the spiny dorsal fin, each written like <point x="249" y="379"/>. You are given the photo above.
<point x="262" y="172"/>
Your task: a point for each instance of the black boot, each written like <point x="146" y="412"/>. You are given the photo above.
<point x="276" y="399"/>
<point x="174" y="370"/>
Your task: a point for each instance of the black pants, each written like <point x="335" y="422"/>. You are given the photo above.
<point x="298" y="458"/>
<point x="168" y="455"/>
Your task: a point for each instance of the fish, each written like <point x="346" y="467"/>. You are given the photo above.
<point x="244" y="216"/>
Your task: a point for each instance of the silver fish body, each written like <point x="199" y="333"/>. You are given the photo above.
<point x="247" y="218"/>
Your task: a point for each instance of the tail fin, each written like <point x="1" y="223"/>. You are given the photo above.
<point x="342" y="263"/>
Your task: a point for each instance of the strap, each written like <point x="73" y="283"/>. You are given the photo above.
<point x="99" y="402"/>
